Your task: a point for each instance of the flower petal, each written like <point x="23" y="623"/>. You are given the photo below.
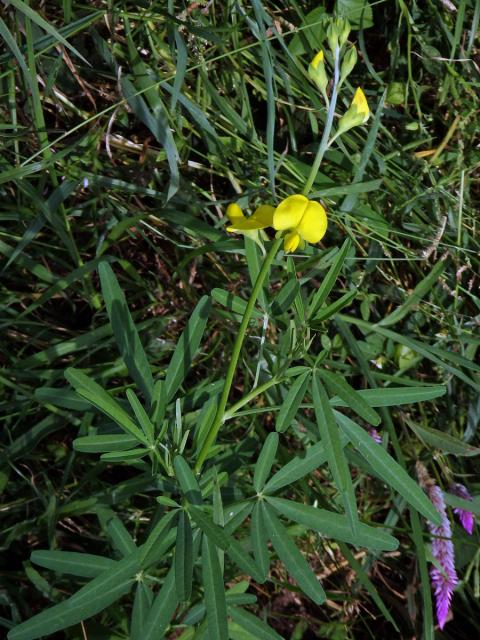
<point x="360" y="102"/>
<point x="313" y="225"/>
<point x="247" y="224"/>
<point x="234" y="213"/>
<point x="291" y="242"/>
<point x="317" y="59"/>
<point x="264" y="214"/>
<point x="289" y="212"/>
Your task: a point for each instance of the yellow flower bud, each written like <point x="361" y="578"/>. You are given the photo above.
<point x="357" y="114"/>
<point x="317" y="72"/>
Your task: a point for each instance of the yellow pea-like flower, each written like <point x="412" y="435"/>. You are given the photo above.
<point x="299" y="219"/>
<point x="304" y="221"/>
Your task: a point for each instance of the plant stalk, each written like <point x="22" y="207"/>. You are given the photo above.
<point x="220" y="413"/>
<point x="328" y="126"/>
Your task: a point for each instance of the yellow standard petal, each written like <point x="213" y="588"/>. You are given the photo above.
<point x="360" y="102"/>
<point x="313" y="225"/>
<point x="291" y="242"/>
<point x="289" y="212"/>
<point x="318" y="59"/>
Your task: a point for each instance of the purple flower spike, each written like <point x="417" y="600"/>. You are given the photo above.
<point x="444" y="580"/>
<point x="465" y="517"/>
<point x="375" y="435"/>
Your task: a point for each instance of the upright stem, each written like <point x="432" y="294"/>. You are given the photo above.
<point x="328" y="125"/>
<point x="219" y="415"/>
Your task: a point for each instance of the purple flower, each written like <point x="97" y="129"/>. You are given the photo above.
<point x="465" y="517"/>
<point x="375" y="435"/>
<point x="445" y="579"/>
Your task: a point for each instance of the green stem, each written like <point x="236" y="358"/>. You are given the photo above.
<point x="328" y="126"/>
<point x="220" y="413"/>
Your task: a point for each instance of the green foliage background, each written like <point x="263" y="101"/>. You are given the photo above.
<point x="126" y="130"/>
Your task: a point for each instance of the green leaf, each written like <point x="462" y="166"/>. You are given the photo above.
<point x="95" y="596"/>
<point x="328" y="283"/>
<point x="332" y="309"/>
<point x="393" y="396"/>
<point x="291" y="557"/>
<point x="124" y="330"/>
<point x="184" y="558"/>
<point x="265" y="461"/>
<point x="125" y="456"/>
<point x="259" y="536"/>
<point x="156" y="536"/>
<point x="104" y="443"/>
<point x="244" y="561"/>
<point x="187" y="481"/>
<point x="117" y="532"/>
<point x="252" y="624"/>
<point x="141" y="415"/>
<point x="85" y="565"/>
<point x="312" y="30"/>
<point x="285" y="297"/>
<point x="334" y="525"/>
<point x="61" y="397"/>
<point x="159" y="404"/>
<point x="358" y="12"/>
<point x="222" y="540"/>
<point x="214" y="592"/>
<point x="300" y="466"/>
<point x="443" y="441"/>
<point x="292" y="402"/>
<point x="187" y="347"/>
<point x="141" y="607"/>
<point x="162" y="610"/>
<point x="337" y="461"/>
<point x="233" y="303"/>
<point x="354" y="400"/>
<point x="387" y="468"/>
<point x="472" y="505"/>
<point x="99" y="398"/>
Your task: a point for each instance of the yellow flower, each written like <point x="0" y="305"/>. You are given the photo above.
<point x="260" y="219"/>
<point x="304" y="220"/>
<point x="358" y="113"/>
